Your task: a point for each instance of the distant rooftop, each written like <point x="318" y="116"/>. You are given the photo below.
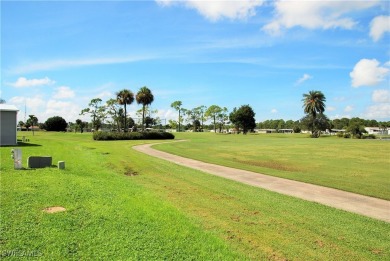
<point x="8" y="107"/>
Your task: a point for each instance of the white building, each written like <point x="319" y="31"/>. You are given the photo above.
<point x="285" y="130"/>
<point x="8" y="123"/>
<point x="377" y="130"/>
<point x="265" y="130"/>
<point x="335" y="131"/>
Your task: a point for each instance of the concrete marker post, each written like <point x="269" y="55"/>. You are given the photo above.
<point x="16" y="155"/>
<point x="61" y="165"/>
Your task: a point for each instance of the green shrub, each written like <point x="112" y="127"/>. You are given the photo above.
<point x="315" y="134"/>
<point x="370" y="136"/>
<point x="340" y="134"/>
<point x="55" y="123"/>
<point x="297" y="129"/>
<point x="103" y="135"/>
<point x="347" y="135"/>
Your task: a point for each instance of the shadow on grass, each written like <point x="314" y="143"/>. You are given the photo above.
<point x="28" y="168"/>
<point x="21" y="144"/>
<point x="26" y="144"/>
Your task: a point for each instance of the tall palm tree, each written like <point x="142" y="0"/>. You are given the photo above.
<point x="314" y="103"/>
<point x="144" y="97"/>
<point x="33" y="120"/>
<point x="212" y="112"/>
<point x="177" y="106"/>
<point x="125" y="97"/>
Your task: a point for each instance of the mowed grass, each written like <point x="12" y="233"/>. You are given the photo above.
<point x="122" y="204"/>
<point x="359" y="166"/>
<point x="108" y="217"/>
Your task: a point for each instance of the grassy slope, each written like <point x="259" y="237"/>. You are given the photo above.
<point x="165" y="212"/>
<point x="360" y="166"/>
<point x="109" y="216"/>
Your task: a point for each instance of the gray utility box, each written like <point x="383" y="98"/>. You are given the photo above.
<point x="39" y="161"/>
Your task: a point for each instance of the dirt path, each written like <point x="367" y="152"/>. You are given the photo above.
<point x="364" y="205"/>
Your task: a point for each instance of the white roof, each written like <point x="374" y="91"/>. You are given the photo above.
<point x="8" y="107"/>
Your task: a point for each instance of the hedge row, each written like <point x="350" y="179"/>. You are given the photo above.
<point x="103" y="135"/>
<point x="348" y="135"/>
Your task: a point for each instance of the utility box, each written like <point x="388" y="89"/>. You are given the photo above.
<point x="16" y="155"/>
<point x="39" y="161"/>
<point x="8" y="123"/>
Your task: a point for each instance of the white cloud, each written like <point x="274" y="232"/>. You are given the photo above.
<point x="274" y="111"/>
<point x="67" y="110"/>
<point x="330" y="108"/>
<point x="338" y="116"/>
<point x="24" y="82"/>
<point x="167" y="115"/>
<point x="69" y="63"/>
<point x="63" y="92"/>
<point x="381" y="96"/>
<point x="43" y="108"/>
<point x="304" y="78"/>
<point x="164" y="2"/>
<point x="378" y="111"/>
<point x="349" y="108"/>
<point x="218" y="9"/>
<point x="368" y="73"/>
<point x="315" y="14"/>
<point x="55" y="105"/>
<point x="29" y="106"/>
<point x="105" y="94"/>
<point x="379" y="26"/>
<point x="32" y="103"/>
<point x="339" y="99"/>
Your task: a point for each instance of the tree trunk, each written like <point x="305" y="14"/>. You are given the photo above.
<point x="143" y="117"/>
<point x="125" y="127"/>
<point x="179" y="120"/>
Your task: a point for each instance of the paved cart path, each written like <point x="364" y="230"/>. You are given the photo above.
<point x="364" y="205"/>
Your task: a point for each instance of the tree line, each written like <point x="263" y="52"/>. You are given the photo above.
<point x="113" y="114"/>
<point x="314" y="119"/>
<point x="242" y="118"/>
<point x="55" y="123"/>
<point x="338" y="124"/>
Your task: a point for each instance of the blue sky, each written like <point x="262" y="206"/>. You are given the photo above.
<point x="57" y="56"/>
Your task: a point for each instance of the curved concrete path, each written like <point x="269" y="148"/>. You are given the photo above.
<point x="363" y="205"/>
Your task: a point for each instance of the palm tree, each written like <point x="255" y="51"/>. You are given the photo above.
<point x="125" y="97"/>
<point x="314" y="103"/>
<point x="177" y="106"/>
<point x="33" y="120"/>
<point x="144" y="97"/>
<point x="201" y="111"/>
<point x="213" y="112"/>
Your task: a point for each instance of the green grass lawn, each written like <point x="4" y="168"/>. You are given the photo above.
<point x="360" y="166"/>
<point x="122" y="204"/>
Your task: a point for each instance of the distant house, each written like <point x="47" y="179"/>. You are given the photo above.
<point x="376" y="130"/>
<point x="335" y="131"/>
<point x="265" y="130"/>
<point x="35" y="128"/>
<point x="285" y="130"/>
<point x="8" y="123"/>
